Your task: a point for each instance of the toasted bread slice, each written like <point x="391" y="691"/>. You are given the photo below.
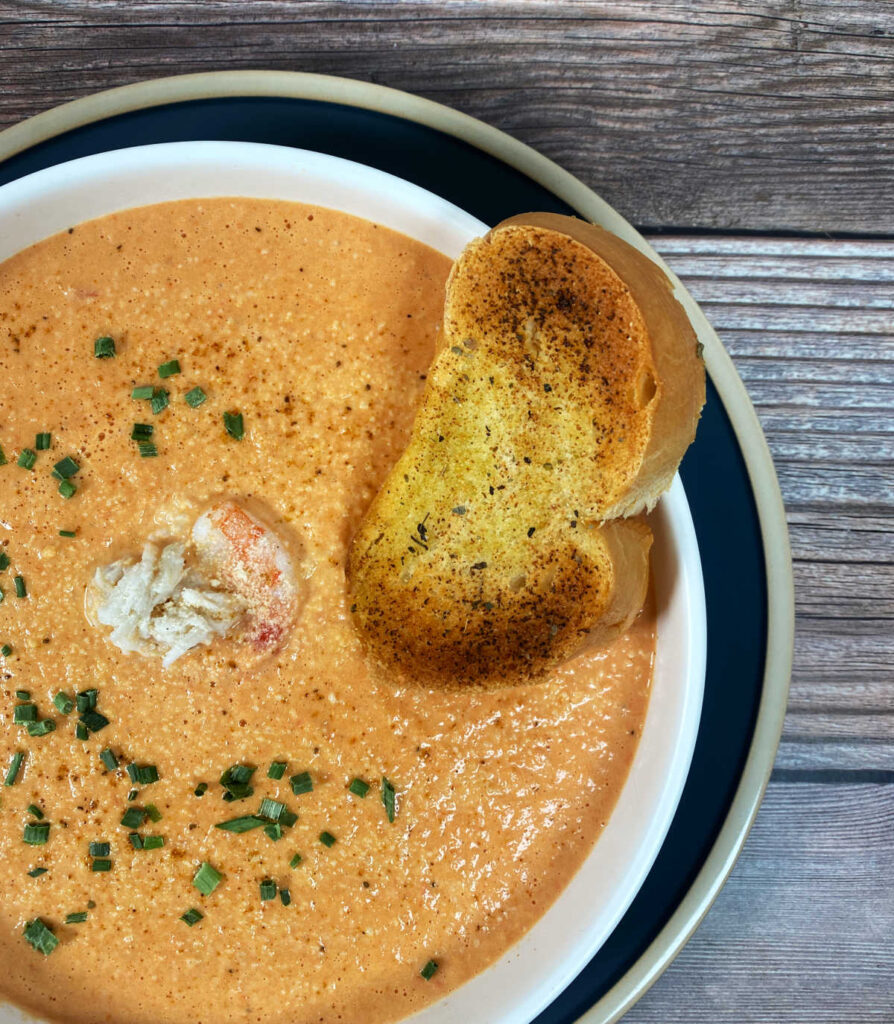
<point x="566" y="387"/>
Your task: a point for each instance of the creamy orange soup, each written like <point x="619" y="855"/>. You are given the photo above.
<point x="317" y="327"/>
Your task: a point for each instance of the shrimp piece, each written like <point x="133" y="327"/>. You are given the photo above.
<point x="250" y="560"/>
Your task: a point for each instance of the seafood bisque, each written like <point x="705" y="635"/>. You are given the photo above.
<point x="198" y="401"/>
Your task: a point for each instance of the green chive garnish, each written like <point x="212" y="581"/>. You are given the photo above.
<point x="240" y="825"/>
<point x="2" y="456"/>
<point x="192" y="916"/>
<point x="101" y="864"/>
<point x="26" y="459"/>
<point x="195" y="397"/>
<point x="36" y="872"/>
<point x="24" y="713"/>
<point x="142" y="392"/>
<point x="12" y="773"/>
<point x="64" y="704"/>
<point x="388" y="798"/>
<point x="42" y="728"/>
<point x="86" y="700"/>
<point x="271" y="809"/>
<point x="6" y="650"/>
<point x="276" y="770"/>
<point x="65" y="468"/>
<point x="79" y="917"/>
<point x="268" y="889"/>
<point x="21" y="589"/>
<point x="141" y="431"/>
<point x="34" y="811"/>
<point x="207" y="878"/>
<point x="104" y="348"/>
<point x="133" y="794"/>
<point x="94" y="721"/>
<point x="235" y="780"/>
<point x="143" y="774"/>
<point x="234" y="425"/>
<point x="81" y="732"/>
<point x="4" y="561"/>
<point x="23" y="695"/>
<point x="288" y="818"/>
<point x="42" y="442"/>
<point x="430" y="970"/>
<point x="136" y="840"/>
<point x="160" y="400"/>
<point x="67" y="533"/>
<point x="153" y="842"/>
<point x="99" y="849"/>
<point x="327" y="839"/>
<point x="201" y="789"/>
<point x="36" y="834"/>
<point x="301" y="783"/>
<point x="67" y="489"/>
<point x="285" y="897"/>
<point x="133" y="817"/>
<point x="273" y="831"/>
<point x="295" y="861"/>
<point x="148" y="449"/>
<point x="109" y="759"/>
<point x="153" y="813"/>
<point x="169" y="369"/>
<point x="40" y="937"/>
<point x="359" y="788"/>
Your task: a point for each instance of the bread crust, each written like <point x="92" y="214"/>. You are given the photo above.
<point x="507" y="537"/>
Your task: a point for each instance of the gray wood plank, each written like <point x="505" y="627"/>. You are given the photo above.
<point x="802" y="930"/>
<point x="762" y="115"/>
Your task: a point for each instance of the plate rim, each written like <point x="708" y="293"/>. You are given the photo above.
<point x="758" y="462"/>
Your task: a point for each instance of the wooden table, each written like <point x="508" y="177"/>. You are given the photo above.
<point x="754" y="144"/>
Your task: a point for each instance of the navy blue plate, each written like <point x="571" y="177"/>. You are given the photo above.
<point x="713" y="471"/>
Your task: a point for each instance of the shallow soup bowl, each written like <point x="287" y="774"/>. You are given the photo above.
<point x="534" y="971"/>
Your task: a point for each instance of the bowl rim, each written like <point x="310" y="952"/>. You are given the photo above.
<point x="768" y="499"/>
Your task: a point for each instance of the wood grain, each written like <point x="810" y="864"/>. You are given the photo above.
<point x="723" y="114"/>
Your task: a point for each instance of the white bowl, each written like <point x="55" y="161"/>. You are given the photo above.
<point x="534" y="971"/>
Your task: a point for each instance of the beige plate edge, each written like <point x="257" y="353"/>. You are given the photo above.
<point x="768" y="499"/>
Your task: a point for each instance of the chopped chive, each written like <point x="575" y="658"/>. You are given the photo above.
<point x="301" y="783"/>
<point x="94" y="721"/>
<point x="192" y="916"/>
<point x="36" y="872"/>
<point x="26" y="459"/>
<point x="6" y="650"/>
<point x="288" y="818"/>
<point x="24" y="713"/>
<point x="34" y="811"/>
<point x="36" y="834"/>
<point x="153" y="813"/>
<point x="81" y="731"/>
<point x="64" y="704"/>
<point x="389" y="798"/>
<point x="99" y="849"/>
<point x="141" y="431"/>
<point x="40" y="937"/>
<point x="2" y="456"/>
<point x="133" y="771"/>
<point x="42" y="728"/>
<point x="429" y="970"/>
<point x="148" y="449"/>
<point x="276" y="770"/>
<point x="21" y="589"/>
<point x="358" y="787"/>
<point x="101" y="864"/>
<point x="109" y="759"/>
<point x="285" y="897"/>
<point x="86" y="700"/>
<point x="136" y="840"/>
<point x="65" y="468"/>
<point x="160" y="400"/>
<point x="42" y="442"/>
<point x="153" y="842"/>
<point x="207" y="878"/>
<point x="268" y="889"/>
<point x="23" y="695"/>
<point x="133" y="794"/>
<point x="67" y="533"/>
<point x="142" y="391"/>
<point x="67" y="489"/>
<point x="133" y="817"/>
<point x="271" y="809"/>
<point x="273" y="831"/>
<point x="240" y="825"/>
<point x="169" y="369"/>
<point x="104" y="347"/>
<point x="235" y="780"/>
<point x="327" y="839"/>
<point x="201" y="789"/>
<point x="195" y="397"/>
<point x="4" y="561"/>
<point x="12" y="773"/>
<point x="295" y="861"/>
<point x="234" y="425"/>
<point x="144" y="774"/>
<point x="79" y="917"/>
